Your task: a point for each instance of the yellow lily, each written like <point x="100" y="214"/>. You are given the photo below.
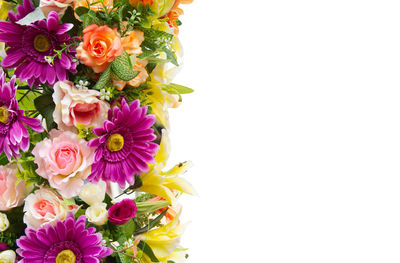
<point x="4" y="8"/>
<point x="162" y="183"/>
<point x="164" y="241"/>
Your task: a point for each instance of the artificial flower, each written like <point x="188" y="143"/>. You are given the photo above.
<point x="92" y="193"/>
<point x="164" y="240"/>
<point x="100" y="46"/>
<point x="131" y="43"/>
<point x="4" y="223"/>
<point x="59" y="6"/>
<point x="124" y="146"/>
<point x="162" y="183"/>
<point x="94" y="4"/>
<point x="44" y="207"/>
<point x="139" y="79"/>
<point x="97" y="214"/>
<point x="4" y="8"/>
<point x="8" y="256"/>
<point x="175" y="12"/>
<point x="12" y="194"/>
<point x="172" y="211"/>
<point x="30" y="47"/>
<point x="67" y="241"/>
<point x="121" y="212"/>
<point x="23" y="10"/>
<point x="64" y="160"/>
<point x="75" y="106"/>
<point x="14" y="135"/>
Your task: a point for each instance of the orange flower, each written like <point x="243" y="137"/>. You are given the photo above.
<point x="145" y="2"/>
<point x="170" y="214"/>
<point x="132" y="42"/>
<point x="100" y="46"/>
<point x="174" y="14"/>
<point x="96" y="7"/>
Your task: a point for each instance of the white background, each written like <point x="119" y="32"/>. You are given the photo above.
<point x="293" y="129"/>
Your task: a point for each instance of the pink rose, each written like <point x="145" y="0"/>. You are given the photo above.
<point x="59" y="6"/>
<point x="43" y="207"/>
<point x="11" y="195"/>
<point x="75" y="106"/>
<point x="64" y="160"/>
<point x="122" y="212"/>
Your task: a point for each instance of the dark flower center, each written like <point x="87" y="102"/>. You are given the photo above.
<point x="66" y="256"/>
<point x="115" y="142"/>
<point x="4" y="115"/>
<point x="42" y="43"/>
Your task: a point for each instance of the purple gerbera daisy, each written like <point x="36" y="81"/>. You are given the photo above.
<point x="124" y="146"/>
<point x="32" y="45"/>
<point x="68" y="241"/>
<point x="13" y="133"/>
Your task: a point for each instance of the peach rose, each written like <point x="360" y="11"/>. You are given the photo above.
<point x="64" y="160"/>
<point x="43" y="207"/>
<point x="59" y="6"/>
<point x="75" y="106"/>
<point x="95" y="7"/>
<point x="132" y="42"/>
<point x="139" y="79"/>
<point x="11" y="195"/>
<point x="100" y="46"/>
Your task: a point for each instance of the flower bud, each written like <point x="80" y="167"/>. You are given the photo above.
<point x="4" y="223"/>
<point x="97" y="214"/>
<point x="93" y="193"/>
<point x="8" y="256"/>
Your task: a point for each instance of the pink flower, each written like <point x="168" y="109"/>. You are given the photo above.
<point x="122" y="212"/>
<point x="11" y="195"/>
<point x="43" y="207"/>
<point x="64" y="160"/>
<point x="59" y="6"/>
<point x="75" y="106"/>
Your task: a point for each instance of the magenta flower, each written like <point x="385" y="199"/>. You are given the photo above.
<point x="30" y="47"/>
<point x="124" y="145"/>
<point x="120" y="213"/>
<point x="23" y="10"/>
<point x="68" y="241"/>
<point x="13" y="133"/>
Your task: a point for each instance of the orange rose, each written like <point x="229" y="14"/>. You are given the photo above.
<point x="100" y="46"/>
<point x="132" y="42"/>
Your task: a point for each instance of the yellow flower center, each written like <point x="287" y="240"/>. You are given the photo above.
<point x="4" y="115"/>
<point x="66" y="256"/>
<point x="115" y="142"/>
<point x="41" y="43"/>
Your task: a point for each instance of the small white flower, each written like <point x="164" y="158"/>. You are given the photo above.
<point x="82" y="85"/>
<point x="92" y="193"/>
<point x="105" y="94"/>
<point x="97" y="214"/>
<point x="49" y="60"/>
<point x="8" y="256"/>
<point x="4" y="223"/>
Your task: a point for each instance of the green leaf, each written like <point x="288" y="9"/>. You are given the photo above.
<point x="104" y="79"/>
<point x="148" y="251"/>
<point x="122" y="67"/>
<point x="129" y="228"/>
<point x="180" y="89"/>
<point x="25" y="99"/>
<point x="81" y="10"/>
<point x="45" y="105"/>
<point x="90" y="18"/>
<point x="3" y="159"/>
<point x="171" y="56"/>
<point x="150" y="206"/>
<point x="151" y="225"/>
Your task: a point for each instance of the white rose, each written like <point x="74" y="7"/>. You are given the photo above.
<point x="92" y="193"/>
<point x="4" y="223"/>
<point x="8" y="256"/>
<point x="97" y="214"/>
<point x="59" y="6"/>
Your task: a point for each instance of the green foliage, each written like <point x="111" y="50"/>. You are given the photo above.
<point x="16" y="229"/>
<point x="150" y="206"/>
<point x="148" y="251"/>
<point x="27" y="171"/>
<point x="85" y="132"/>
<point x="134" y="93"/>
<point x="3" y="159"/>
<point x="152" y="224"/>
<point x="123" y="68"/>
<point x="45" y="105"/>
<point x="26" y="97"/>
<point x="104" y="79"/>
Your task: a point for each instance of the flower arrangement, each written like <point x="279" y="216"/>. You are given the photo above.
<point x="85" y="87"/>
